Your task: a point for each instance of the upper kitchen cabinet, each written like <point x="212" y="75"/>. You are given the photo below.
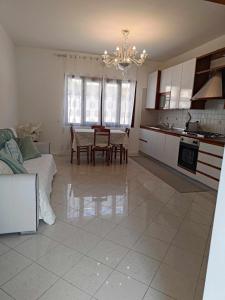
<point x="176" y="74"/>
<point x="165" y="82"/>
<point x="176" y="86"/>
<point x="187" y="83"/>
<point x="153" y="90"/>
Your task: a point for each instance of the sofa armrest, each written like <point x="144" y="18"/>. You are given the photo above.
<point x="19" y="204"/>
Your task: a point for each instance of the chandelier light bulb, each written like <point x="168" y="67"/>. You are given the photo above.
<point x="125" y="55"/>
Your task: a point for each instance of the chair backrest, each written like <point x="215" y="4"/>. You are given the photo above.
<point x="127" y="130"/>
<point x="97" y="126"/>
<point x="71" y="135"/>
<point x="101" y="137"/>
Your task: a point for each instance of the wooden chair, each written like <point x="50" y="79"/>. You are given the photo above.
<point x="97" y="126"/>
<point x="79" y="150"/>
<point x="121" y="149"/>
<point x="102" y="143"/>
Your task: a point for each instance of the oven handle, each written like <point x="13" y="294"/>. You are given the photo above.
<point x="190" y="146"/>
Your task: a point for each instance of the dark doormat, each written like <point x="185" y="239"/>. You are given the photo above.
<point x="178" y="181"/>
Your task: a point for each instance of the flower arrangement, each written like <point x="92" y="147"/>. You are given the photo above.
<point x="30" y="129"/>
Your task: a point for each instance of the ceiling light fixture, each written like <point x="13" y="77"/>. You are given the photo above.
<point x="124" y="56"/>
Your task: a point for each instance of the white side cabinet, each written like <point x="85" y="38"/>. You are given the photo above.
<point x="165" y="82"/>
<point x="172" y="144"/>
<point x="187" y="83"/>
<point x="152" y="90"/>
<point x="176" y="72"/>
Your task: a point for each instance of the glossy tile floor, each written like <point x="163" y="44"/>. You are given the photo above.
<point x="121" y="234"/>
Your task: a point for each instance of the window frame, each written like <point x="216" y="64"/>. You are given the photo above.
<point x="101" y="106"/>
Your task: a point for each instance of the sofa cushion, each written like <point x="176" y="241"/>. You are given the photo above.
<point x="13" y="149"/>
<point x="13" y="164"/>
<point x="28" y="148"/>
<point x="5" y="169"/>
<point x="45" y="167"/>
<point x="6" y="134"/>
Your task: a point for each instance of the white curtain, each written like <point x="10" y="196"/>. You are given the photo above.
<point x="117" y="103"/>
<point x="83" y="100"/>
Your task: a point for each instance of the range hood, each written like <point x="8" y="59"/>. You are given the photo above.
<point x="213" y="89"/>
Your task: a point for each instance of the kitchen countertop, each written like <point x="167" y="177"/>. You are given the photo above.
<point x="180" y="132"/>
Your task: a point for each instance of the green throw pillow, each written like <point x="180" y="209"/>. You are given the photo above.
<point x="28" y="148"/>
<point x="14" y="165"/>
<point x="11" y="148"/>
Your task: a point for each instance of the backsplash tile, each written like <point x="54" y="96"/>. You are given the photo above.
<point x="212" y="118"/>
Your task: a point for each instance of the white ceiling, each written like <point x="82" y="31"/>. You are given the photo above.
<point x="165" y="28"/>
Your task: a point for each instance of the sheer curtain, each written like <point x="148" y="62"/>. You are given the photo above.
<point x="118" y="102"/>
<point x="96" y="101"/>
<point x="83" y="100"/>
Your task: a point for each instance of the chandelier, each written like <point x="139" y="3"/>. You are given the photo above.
<point x="124" y="56"/>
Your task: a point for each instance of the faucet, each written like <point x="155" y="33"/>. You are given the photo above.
<point x="189" y="120"/>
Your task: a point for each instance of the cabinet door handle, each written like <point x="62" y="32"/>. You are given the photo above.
<point x="142" y="140"/>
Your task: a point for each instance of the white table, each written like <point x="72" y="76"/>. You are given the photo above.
<point x="85" y="136"/>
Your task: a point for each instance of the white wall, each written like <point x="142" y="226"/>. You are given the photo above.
<point x="8" y="86"/>
<point x="41" y="87"/>
<point x="214" y="285"/>
<point x="211" y="46"/>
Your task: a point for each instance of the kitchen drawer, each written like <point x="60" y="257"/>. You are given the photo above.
<point x="209" y="159"/>
<point x="207" y="181"/>
<point x="208" y="170"/>
<point x="212" y="149"/>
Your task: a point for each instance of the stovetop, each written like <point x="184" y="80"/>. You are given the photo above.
<point x="205" y="134"/>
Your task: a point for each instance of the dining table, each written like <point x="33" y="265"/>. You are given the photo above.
<point x="85" y="136"/>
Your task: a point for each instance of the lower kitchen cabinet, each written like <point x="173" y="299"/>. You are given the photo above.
<point x="160" y="146"/>
<point x="165" y="148"/>
<point x="171" y="151"/>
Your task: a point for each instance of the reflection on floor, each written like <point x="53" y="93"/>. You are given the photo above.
<point x="121" y="233"/>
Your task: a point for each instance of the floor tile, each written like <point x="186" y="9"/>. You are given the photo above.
<point x="148" y="209"/>
<point x="62" y="290"/>
<point x="161" y="232"/>
<point x="139" y="266"/>
<point x="4" y="296"/>
<point x="183" y="261"/>
<point x="88" y="275"/>
<point x="36" y="246"/>
<point x="108" y="253"/>
<point x="100" y="227"/>
<point x="60" y="259"/>
<point x="3" y="248"/>
<point x="136" y="223"/>
<point x="167" y="219"/>
<point x="123" y="236"/>
<point x="189" y="242"/>
<point x="173" y="283"/>
<point x="13" y="240"/>
<point x="58" y="231"/>
<point x="156" y="295"/>
<point x="82" y="241"/>
<point x="10" y="264"/>
<point x="151" y="247"/>
<point x="119" y="286"/>
<point x="30" y="283"/>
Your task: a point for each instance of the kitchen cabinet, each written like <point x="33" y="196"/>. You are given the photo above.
<point x="187" y="83"/>
<point x="176" y="73"/>
<point x="170" y="156"/>
<point x="152" y="143"/>
<point x="153" y="89"/>
<point x="179" y="81"/>
<point x="165" y="82"/>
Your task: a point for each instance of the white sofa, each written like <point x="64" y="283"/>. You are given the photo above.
<point x="25" y="198"/>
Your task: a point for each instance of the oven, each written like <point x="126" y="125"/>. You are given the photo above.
<point x="188" y="154"/>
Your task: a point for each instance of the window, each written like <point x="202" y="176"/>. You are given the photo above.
<point x="94" y="101"/>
